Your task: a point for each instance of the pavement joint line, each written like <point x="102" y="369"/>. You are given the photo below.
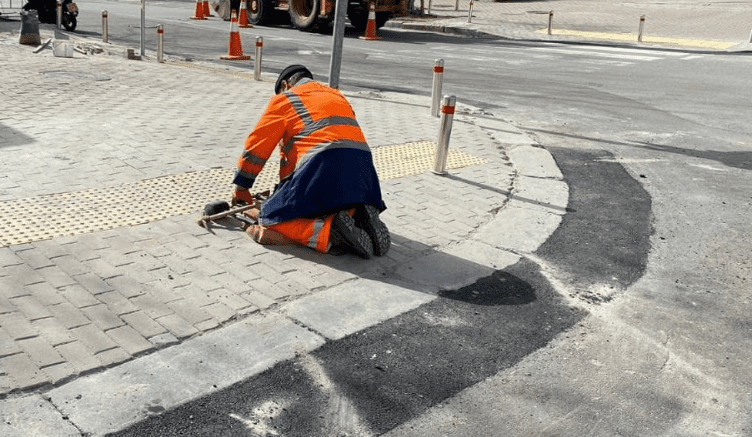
<point x="149" y="200"/>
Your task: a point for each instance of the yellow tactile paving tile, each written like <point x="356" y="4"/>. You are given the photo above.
<point x="646" y="39"/>
<point x="81" y="212"/>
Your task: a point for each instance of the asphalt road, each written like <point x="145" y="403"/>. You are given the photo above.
<point x="631" y="320"/>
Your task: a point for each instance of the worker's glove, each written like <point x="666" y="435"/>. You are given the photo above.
<point x="242" y="197"/>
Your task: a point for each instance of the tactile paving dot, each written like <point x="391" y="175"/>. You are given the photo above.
<point x="81" y="212"/>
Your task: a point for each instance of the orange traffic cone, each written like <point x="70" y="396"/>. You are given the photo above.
<point x="243" y="17"/>
<point x="199" y="15"/>
<point x="205" y="6"/>
<point x="371" y="26"/>
<point x="235" y="46"/>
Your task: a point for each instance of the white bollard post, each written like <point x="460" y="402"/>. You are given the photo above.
<point x="105" y="30"/>
<point x="550" y="21"/>
<point x="470" y="12"/>
<point x="445" y="131"/>
<point x="257" y="64"/>
<point x="160" y="43"/>
<point x="438" y="80"/>
<point x="642" y="27"/>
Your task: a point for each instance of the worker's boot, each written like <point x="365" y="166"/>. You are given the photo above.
<point x="344" y="234"/>
<point x="367" y="218"/>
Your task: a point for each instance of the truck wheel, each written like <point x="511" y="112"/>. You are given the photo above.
<point x="260" y="11"/>
<point x="304" y="13"/>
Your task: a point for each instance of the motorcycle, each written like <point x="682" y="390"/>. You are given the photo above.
<point x="47" y="12"/>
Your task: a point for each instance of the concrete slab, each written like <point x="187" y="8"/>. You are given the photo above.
<point x="483" y="254"/>
<point x="32" y="416"/>
<point x="443" y="271"/>
<point x="114" y="399"/>
<point x="520" y="228"/>
<point x="352" y="307"/>
<point x="534" y="161"/>
<point x="550" y="195"/>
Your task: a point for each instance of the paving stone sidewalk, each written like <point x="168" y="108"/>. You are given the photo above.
<point x="76" y="304"/>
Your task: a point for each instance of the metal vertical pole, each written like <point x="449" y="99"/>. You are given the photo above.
<point x="59" y="11"/>
<point x="750" y="36"/>
<point x="160" y="43"/>
<point x="438" y="79"/>
<point x="105" y="29"/>
<point x="470" y="12"/>
<point x="550" y="21"/>
<point x="642" y="26"/>
<point x="338" y="36"/>
<point x="143" y="28"/>
<point x="429" y="7"/>
<point x="457" y="5"/>
<point x="445" y="131"/>
<point x="257" y="64"/>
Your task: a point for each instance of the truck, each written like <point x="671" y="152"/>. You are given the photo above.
<point x="316" y="15"/>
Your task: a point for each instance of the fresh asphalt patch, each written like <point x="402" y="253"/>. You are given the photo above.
<point x="376" y="379"/>
<point x="388" y="373"/>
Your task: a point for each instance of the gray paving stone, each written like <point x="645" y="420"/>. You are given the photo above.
<point x="93" y="283"/>
<point x="151" y="306"/>
<point x="144" y="324"/>
<point x="188" y="311"/>
<point x="94" y="338"/>
<point x="78" y="296"/>
<point x="130" y="340"/>
<point x="9" y="258"/>
<point x="52" y="331"/>
<point x="102" y="317"/>
<point x="17" y="326"/>
<point x="178" y="326"/>
<point x="69" y="315"/>
<point x="30" y="307"/>
<point x="54" y="276"/>
<point x="59" y="373"/>
<point x="7" y="345"/>
<point x="113" y="356"/>
<point x="25" y="373"/>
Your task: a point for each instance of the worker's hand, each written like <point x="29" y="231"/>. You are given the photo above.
<point x="242" y="197"/>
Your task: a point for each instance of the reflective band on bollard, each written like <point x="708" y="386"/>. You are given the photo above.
<point x="445" y="131"/>
<point x="105" y="33"/>
<point x="160" y="43"/>
<point x="257" y="64"/>
<point x="438" y="79"/>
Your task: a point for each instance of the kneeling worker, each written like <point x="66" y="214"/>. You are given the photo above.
<point x="329" y="197"/>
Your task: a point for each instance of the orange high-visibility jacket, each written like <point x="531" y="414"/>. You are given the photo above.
<point x="325" y="162"/>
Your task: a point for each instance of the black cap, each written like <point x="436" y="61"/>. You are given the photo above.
<point x="289" y="72"/>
